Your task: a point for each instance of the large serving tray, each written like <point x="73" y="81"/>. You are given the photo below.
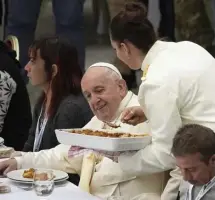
<point x="66" y="137"/>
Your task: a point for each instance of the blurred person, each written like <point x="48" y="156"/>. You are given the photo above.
<point x="128" y="74"/>
<point x="53" y="67"/>
<point x="15" y="109"/>
<point x="167" y="23"/>
<point x="193" y="148"/>
<point x="211" y="12"/>
<point x="107" y="95"/>
<point x="166" y="29"/>
<point x="176" y="87"/>
<point x="193" y="24"/>
<point x="3" y="16"/>
<point x="22" y="21"/>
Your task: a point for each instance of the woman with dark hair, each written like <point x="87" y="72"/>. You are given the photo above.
<point x="54" y="67"/>
<point x="177" y="88"/>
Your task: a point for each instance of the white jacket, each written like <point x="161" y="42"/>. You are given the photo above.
<point x="177" y="89"/>
<point x="108" y="178"/>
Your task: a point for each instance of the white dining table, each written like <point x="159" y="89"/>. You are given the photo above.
<point x="68" y="191"/>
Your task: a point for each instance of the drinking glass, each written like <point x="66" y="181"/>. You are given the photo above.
<point x="43" y="182"/>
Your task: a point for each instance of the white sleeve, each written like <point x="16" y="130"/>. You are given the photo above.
<point x="44" y="159"/>
<point x="160" y="106"/>
<point x="171" y="191"/>
<point x="7" y="89"/>
<point x="92" y="123"/>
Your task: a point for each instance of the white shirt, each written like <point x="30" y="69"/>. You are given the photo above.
<point x="108" y="178"/>
<point x="43" y="158"/>
<point x="129" y="100"/>
<point x="178" y="89"/>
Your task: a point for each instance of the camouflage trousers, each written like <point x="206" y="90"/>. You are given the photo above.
<point x="192" y="22"/>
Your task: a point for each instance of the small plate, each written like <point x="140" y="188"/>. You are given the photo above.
<point x="16" y="176"/>
<point x="30" y="182"/>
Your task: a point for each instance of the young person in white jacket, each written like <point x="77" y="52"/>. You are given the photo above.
<point x="107" y="95"/>
<point x="177" y="88"/>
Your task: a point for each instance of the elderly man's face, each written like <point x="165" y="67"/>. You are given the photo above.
<point x="194" y="169"/>
<point x="103" y="93"/>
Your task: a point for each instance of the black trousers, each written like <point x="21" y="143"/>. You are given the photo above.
<point x="167" y="23"/>
<point x="3" y="15"/>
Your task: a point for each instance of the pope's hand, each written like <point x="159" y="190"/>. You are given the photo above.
<point x="7" y="166"/>
<point x="133" y="115"/>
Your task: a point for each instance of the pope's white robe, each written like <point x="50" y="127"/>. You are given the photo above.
<point x="108" y="178"/>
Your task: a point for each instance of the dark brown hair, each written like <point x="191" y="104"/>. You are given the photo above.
<point x="131" y="24"/>
<point x="193" y="138"/>
<point x="54" y="50"/>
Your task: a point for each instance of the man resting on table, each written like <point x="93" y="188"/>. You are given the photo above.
<point x="107" y="95"/>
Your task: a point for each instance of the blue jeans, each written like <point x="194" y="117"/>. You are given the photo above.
<point x="22" y="21"/>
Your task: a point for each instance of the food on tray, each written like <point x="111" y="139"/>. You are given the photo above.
<point x="28" y="173"/>
<point x="5" y="152"/>
<point x="105" y="134"/>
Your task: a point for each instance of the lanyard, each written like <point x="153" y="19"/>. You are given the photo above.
<point x="39" y="131"/>
<point x="202" y="192"/>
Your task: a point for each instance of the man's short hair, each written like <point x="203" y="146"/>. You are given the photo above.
<point x="194" y="138"/>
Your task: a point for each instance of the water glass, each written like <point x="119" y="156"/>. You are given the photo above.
<point x="43" y="182"/>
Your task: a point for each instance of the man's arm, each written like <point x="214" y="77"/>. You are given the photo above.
<point x="160" y="105"/>
<point x="43" y="159"/>
<point x="171" y="191"/>
<point x="55" y="158"/>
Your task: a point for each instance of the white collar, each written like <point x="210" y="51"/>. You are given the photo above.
<point x="158" y="47"/>
<point x="125" y="101"/>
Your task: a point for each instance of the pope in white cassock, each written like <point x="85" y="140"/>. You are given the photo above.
<point x="107" y="95"/>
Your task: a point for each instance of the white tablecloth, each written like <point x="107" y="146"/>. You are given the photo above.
<point x="65" y="192"/>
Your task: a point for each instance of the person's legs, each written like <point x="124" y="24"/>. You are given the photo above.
<point x="146" y="2"/>
<point x="114" y="7"/>
<point x="213" y="13"/>
<point x="210" y="8"/>
<point x="192" y="23"/>
<point x="167" y="24"/>
<point x="22" y="20"/>
<point x="69" y="19"/>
